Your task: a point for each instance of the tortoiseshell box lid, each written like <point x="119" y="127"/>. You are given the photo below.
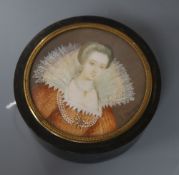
<point x="87" y="85"/>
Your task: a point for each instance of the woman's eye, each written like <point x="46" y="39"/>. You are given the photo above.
<point x="102" y="67"/>
<point x="92" y="63"/>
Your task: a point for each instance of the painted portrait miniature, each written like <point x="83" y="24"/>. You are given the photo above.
<point x="76" y="86"/>
<point x="88" y="86"/>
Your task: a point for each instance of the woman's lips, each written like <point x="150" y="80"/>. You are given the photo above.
<point x="93" y="75"/>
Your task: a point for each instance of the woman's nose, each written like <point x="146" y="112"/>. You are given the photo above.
<point x="94" y="72"/>
<point x="94" y="69"/>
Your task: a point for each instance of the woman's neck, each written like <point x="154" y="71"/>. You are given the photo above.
<point x="83" y="83"/>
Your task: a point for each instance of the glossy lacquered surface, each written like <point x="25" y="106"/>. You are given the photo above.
<point x="157" y="150"/>
<point x="92" y="151"/>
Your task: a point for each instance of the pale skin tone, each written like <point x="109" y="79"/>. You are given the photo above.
<point x="81" y="90"/>
<point x="93" y="67"/>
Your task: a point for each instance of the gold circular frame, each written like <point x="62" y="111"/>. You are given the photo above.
<point x="81" y="139"/>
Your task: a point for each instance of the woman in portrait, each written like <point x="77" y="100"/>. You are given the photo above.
<point x="76" y="87"/>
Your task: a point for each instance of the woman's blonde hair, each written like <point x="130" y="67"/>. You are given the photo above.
<point x="90" y="47"/>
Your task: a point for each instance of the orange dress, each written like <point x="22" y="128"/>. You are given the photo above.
<point x="45" y="99"/>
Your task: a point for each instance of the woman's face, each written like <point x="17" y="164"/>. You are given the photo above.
<point x="95" y="64"/>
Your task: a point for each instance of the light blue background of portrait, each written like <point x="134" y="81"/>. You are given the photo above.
<point x="157" y="152"/>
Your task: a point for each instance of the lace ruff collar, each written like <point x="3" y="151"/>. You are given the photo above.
<point x="59" y="67"/>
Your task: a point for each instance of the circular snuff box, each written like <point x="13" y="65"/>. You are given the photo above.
<point x="88" y="86"/>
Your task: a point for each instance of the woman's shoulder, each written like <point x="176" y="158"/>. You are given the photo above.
<point x="105" y="124"/>
<point x="42" y="88"/>
<point x="44" y="98"/>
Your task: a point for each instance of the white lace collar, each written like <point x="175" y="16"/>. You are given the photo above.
<point x="56" y="70"/>
<point x="88" y="104"/>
